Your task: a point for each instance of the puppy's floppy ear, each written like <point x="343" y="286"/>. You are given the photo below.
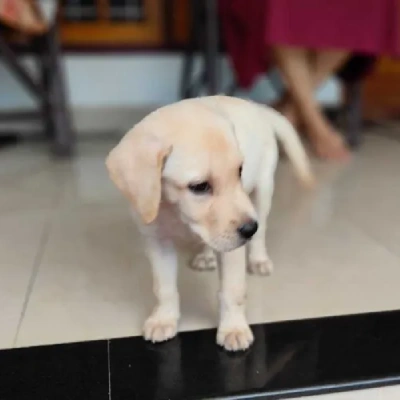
<point x="135" y="166"/>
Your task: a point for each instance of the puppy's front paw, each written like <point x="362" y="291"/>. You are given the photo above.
<point x="235" y="338"/>
<point x="158" y="329"/>
<point x="205" y="261"/>
<point x="260" y="267"/>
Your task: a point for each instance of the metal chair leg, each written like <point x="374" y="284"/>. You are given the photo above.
<point x="40" y="45"/>
<point x="187" y="70"/>
<point x="10" y="59"/>
<point x="204" y="35"/>
<point x="63" y="138"/>
<point x="212" y="44"/>
<point x="188" y="86"/>
<point x="353" y="114"/>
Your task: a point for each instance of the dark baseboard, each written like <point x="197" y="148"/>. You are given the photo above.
<point x="112" y="49"/>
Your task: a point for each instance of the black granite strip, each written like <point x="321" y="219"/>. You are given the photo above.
<point x="76" y="371"/>
<point x="288" y="359"/>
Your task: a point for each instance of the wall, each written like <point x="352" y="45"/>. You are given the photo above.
<point x="113" y="85"/>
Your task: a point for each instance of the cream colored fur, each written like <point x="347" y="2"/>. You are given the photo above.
<point x="208" y="140"/>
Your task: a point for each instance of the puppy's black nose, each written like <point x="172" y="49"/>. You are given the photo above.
<point x="248" y="229"/>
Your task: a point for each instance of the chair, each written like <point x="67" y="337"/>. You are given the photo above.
<point x="205" y="38"/>
<point x="42" y="41"/>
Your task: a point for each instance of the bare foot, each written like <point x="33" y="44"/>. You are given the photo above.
<point x="326" y="142"/>
<point x="330" y="145"/>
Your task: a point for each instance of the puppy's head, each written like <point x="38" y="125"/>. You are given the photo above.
<point x="192" y="165"/>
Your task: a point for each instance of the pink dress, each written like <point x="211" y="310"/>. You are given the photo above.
<point x="364" y="27"/>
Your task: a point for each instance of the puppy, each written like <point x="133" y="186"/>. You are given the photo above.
<point x="201" y="171"/>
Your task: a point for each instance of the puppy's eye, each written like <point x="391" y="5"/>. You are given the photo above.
<point x="240" y="170"/>
<point x="200" y="188"/>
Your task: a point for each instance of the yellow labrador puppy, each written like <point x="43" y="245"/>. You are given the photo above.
<point x="202" y="171"/>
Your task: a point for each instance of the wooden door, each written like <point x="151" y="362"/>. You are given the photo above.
<point x="382" y="90"/>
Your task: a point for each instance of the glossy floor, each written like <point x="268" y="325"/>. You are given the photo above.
<point x="72" y="266"/>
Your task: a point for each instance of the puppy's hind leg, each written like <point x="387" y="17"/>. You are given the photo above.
<point x="205" y="260"/>
<point x="259" y="262"/>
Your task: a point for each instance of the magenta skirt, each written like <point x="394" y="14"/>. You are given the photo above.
<point x="366" y="27"/>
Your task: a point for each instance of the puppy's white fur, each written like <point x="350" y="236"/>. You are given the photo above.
<point x="208" y="140"/>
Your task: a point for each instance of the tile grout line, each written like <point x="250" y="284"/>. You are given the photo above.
<point x="37" y="169"/>
<point x="58" y="202"/>
<point x="35" y="269"/>
<point x="378" y="242"/>
<point x="109" y="369"/>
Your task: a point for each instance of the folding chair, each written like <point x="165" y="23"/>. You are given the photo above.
<point x="42" y="41"/>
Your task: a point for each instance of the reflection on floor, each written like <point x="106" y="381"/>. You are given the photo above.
<point x="72" y="267"/>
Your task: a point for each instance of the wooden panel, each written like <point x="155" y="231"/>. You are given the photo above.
<point x="181" y="21"/>
<point x="103" y="9"/>
<point x="104" y="32"/>
<point x="382" y="90"/>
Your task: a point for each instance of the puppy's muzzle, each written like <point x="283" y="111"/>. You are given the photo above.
<point x="248" y="229"/>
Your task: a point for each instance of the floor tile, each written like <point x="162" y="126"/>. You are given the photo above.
<point x="88" y="182"/>
<point x="383" y="393"/>
<point x="21" y="235"/>
<point x="71" y="371"/>
<point x="389" y="393"/>
<point x="312" y="261"/>
<point x="86" y="280"/>
<point x="38" y="189"/>
<point x="21" y="160"/>
<point x="368" y="194"/>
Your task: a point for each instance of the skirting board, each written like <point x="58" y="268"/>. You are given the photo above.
<point x="91" y="121"/>
<point x="87" y="122"/>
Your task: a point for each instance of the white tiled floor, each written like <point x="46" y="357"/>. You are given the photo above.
<point x="385" y="393"/>
<point x="72" y="267"/>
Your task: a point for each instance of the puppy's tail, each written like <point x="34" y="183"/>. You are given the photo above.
<point x="293" y="147"/>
